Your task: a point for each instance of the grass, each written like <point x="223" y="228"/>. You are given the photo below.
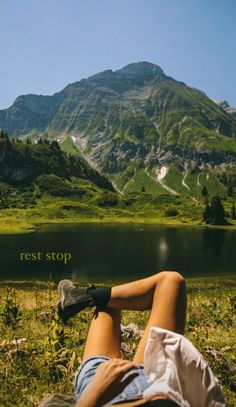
<point x="210" y="180"/>
<point x="191" y="180"/>
<point x="88" y="207"/>
<point x="68" y="146"/>
<point x="173" y="179"/>
<point x="30" y="207"/>
<point x="142" y="179"/>
<point x="32" y="371"/>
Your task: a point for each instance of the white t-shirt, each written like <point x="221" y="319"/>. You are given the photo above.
<point x="174" y="368"/>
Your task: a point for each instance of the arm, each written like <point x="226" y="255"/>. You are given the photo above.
<point x="107" y="383"/>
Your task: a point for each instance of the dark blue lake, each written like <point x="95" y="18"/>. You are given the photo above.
<point x="117" y="252"/>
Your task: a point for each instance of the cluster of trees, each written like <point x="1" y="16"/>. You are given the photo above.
<point x="54" y="185"/>
<point x="24" y="162"/>
<point x="214" y="213"/>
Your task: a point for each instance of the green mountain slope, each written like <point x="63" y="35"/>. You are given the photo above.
<point x="139" y="127"/>
<point x="23" y="163"/>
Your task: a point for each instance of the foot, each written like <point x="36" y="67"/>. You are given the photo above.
<point x="72" y="299"/>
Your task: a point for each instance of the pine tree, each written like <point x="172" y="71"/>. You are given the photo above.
<point x="204" y="191"/>
<point x="214" y="213"/>
<point x="26" y="152"/>
<point x="55" y="145"/>
<point x="230" y="191"/>
<point x="4" y="135"/>
<point x="207" y="216"/>
<point x="233" y="212"/>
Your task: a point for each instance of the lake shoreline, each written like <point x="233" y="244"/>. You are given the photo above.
<point x="32" y="284"/>
<point x="34" y="227"/>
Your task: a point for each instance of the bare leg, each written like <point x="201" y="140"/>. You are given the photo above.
<point x="168" y="310"/>
<point x="104" y="335"/>
<point x="164" y="293"/>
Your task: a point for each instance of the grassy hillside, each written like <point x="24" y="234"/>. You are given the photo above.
<point x="82" y="201"/>
<point x="69" y="147"/>
<point x="22" y="163"/>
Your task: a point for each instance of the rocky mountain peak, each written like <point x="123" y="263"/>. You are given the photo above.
<point x="225" y="105"/>
<point x="143" y="68"/>
<point x="222" y="103"/>
<point x="138" y="73"/>
<point x="104" y="75"/>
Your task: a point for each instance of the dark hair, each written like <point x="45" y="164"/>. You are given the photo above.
<point x="160" y="403"/>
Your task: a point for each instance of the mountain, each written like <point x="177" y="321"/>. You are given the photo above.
<point x="140" y="127"/>
<point x="225" y="105"/>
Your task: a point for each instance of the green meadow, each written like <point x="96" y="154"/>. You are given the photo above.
<point x="47" y="353"/>
<point x="85" y="202"/>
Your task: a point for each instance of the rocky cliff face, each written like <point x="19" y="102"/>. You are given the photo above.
<point x="132" y="123"/>
<point x="225" y="105"/>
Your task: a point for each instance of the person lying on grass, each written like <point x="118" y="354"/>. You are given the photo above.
<point x="167" y="370"/>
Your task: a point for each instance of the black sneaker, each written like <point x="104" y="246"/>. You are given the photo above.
<point x="72" y="299"/>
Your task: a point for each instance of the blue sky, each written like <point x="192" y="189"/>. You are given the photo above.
<point x="47" y="44"/>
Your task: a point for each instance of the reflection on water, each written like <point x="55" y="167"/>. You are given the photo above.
<point x="163" y="250"/>
<point x="119" y="252"/>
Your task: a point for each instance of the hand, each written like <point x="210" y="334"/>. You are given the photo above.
<point x="107" y="382"/>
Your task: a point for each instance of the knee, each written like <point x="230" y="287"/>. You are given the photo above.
<point x="171" y="277"/>
<point x="114" y="313"/>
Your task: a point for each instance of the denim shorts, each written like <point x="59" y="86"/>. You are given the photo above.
<point x="87" y="370"/>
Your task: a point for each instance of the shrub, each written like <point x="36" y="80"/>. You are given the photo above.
<point x="108" y="199"/>
<point x="54" y="185"/>
<point x="171" y="212"/>
<point x="9" y="310"/>
<point x="129" y="201"/>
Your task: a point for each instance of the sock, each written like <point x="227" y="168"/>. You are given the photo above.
<point x="101" y="296"/>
